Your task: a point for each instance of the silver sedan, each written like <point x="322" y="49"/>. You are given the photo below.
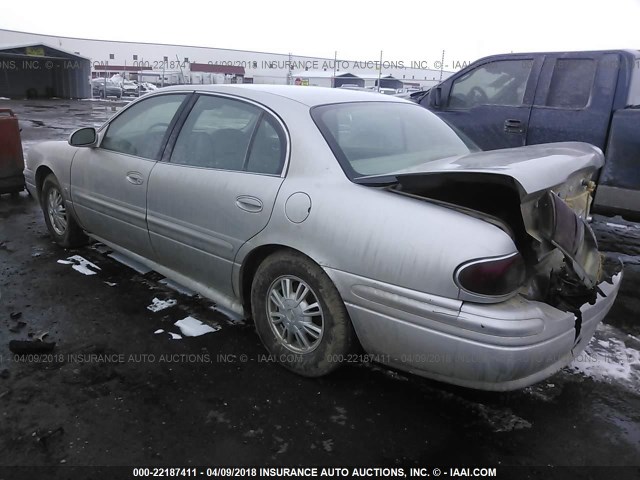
<point x="344" y="221"/>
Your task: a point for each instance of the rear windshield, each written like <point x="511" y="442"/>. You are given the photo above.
<point x="379" y="138"/>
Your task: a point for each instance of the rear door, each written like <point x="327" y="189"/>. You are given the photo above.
<point x="574" y="98"/>
<point x="217" y="188"/>
<point x="491" y="101"/>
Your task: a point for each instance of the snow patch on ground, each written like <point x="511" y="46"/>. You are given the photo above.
<point x="175" y="336"/>
<point x="618" y="225"/>
<point x="611" y="356"/>
<point x="157" y="304"/>
<point x="81" y="265"/>
<point x="192" y="327"/>
<point x="159" y="331"/>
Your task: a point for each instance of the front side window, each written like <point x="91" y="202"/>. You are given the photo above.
<point x="380" y="138"/>
<point x="229" y="134"/>
<point x="496" y="83"/>
<point x="140" y="130"/>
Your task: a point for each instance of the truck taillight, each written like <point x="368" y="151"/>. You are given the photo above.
<point x="492" y="276"/>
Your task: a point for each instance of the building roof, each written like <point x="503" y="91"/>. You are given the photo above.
<point x="12" y="49"/>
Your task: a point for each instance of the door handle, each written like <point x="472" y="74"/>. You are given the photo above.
<point x="134" y="178"/>
<point x="513" y="126"/>
<point x="249" y="203"/>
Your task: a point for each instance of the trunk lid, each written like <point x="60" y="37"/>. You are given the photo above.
<point x="534" y="169"/>
<point x="539" y="194"/>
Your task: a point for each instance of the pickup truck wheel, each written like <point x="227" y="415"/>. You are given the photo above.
<point x="61" y="224"/>
<point x="299" y="314"/>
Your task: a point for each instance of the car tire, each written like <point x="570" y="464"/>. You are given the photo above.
<point x="310" y="308"/>
<point x="60" y="222"/>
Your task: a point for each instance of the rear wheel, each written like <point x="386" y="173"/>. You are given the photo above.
<point x="299" y="314"/>
<point x="61" y="224"/>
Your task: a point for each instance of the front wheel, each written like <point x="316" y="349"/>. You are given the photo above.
<point x="299" y="314"/>
<point x="61" y="224"/>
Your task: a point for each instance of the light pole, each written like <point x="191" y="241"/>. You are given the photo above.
<point x="380" y="72"/>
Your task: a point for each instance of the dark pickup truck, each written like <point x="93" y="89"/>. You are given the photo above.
<point x="513" y="100"/>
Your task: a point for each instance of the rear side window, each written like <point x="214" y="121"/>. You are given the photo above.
<point x="268" y="148"/>
<point x="140" y="129"/>
<point x="228" y="134"/>
<point x="496" y="83"/>
<point x="571" y="83"/>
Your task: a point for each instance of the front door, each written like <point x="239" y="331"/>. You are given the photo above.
<point x="491" y="102"/>
<point x="109" y="183"/>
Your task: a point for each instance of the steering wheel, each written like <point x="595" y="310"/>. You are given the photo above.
<point x="477" y="96"/>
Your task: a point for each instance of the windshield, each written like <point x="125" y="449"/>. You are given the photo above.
<point x="380" y="138"/>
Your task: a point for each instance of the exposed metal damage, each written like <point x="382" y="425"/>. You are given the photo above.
<point x="549" y="229"/>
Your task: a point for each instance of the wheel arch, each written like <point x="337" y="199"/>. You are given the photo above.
<point x="250" y="266"/>
<point x="42" y="172"/>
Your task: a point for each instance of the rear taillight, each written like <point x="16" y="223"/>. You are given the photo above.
<point x="495" y="276"/>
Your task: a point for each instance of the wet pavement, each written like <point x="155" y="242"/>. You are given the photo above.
<point x="125" y="385"/>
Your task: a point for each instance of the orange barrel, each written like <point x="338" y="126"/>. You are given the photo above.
<point x="11" y="159"/>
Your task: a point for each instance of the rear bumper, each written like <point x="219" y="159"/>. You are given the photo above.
<point x="502" y="346"/>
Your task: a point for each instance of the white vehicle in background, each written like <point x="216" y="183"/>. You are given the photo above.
<point x="130" y="89"/>
<point x="146" y="87"/>
<point x="149" y="86"/>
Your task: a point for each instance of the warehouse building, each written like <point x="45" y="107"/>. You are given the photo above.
<point x="176" y="64"/>
<point x="39" y="71"/>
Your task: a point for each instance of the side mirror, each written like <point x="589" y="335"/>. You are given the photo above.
<point x="436" y="97"/>
<point x="84" y="137"/>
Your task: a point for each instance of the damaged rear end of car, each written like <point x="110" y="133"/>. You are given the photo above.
<point x="545" y="211"/>
<point x="506" y="284"/>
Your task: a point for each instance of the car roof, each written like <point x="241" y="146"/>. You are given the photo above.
<point x="310" y="96"/>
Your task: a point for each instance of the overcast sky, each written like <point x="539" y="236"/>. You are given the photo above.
<point x="407" y="31"/>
